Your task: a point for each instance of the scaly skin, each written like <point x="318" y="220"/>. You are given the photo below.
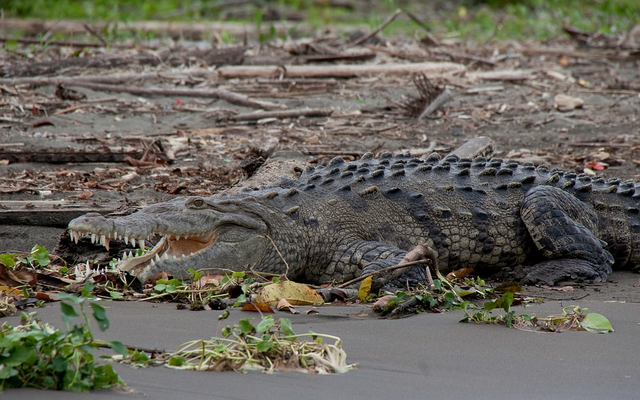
<point x="338" y="221"/>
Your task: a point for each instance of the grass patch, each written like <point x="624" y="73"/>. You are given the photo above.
<point x="466" y="19"/>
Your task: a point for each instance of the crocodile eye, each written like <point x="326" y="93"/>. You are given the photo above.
<point x="197" y="202"/>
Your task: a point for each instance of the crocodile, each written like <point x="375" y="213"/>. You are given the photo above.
<point x="339" y="221"/>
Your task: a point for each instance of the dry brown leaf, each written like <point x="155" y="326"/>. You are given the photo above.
<point x="284" y="305"/>
<point x="508" y="287"/>
<point x="295" y="293"/>
<point x="459" y="273"/>
<point x="257" y="307"/>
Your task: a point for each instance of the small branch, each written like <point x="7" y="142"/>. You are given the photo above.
<point x="309" y="112"/>
<point x="380" y="271"/>
<point x="231" y="97"/>
<point x="428" y="36"/>
<point x="96" y="34"/>
<point x="184" y="292"/>
<point x="378" y="29"/>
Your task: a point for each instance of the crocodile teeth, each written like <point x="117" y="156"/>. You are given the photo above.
<point x="157" y="258"/>
<point x="133" y="242"/>
<point x="141" y="243"/>
<point x="104" y="241"/>
<point x="186" y="237"/>
<point x="94" y="238"/>
<point x="126" y="240"/>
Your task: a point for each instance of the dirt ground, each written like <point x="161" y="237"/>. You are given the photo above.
<point x="158" y="121"/>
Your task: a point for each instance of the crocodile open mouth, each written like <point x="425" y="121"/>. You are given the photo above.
<point x="170" y="247"/>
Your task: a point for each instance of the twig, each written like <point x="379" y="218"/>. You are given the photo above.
<point x="231" y="97"/>
<point x="309" y="112"/>
<point x="380" y="271"/>
<point x="96" y="34"/>
<point x="286" y="272"/>
<point x="182" y="292"/>
<point x="428" y="36"/>
<point x="378" y="29"/>
<point x="340" y="71"/>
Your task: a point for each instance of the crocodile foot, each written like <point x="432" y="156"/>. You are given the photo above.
<point x="554" y="271"/>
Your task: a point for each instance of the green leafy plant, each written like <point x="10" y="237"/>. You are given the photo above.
<point x="442" y="294"/>
<point x="35" y="354"/>
<point x="271" y="344"/>
<point x="572" y="317"/>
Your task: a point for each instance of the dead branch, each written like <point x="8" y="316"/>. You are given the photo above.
<point x="231" y="97"/>
<point x="432" y="69"/>
<point x="594" y="55"/>
<point x="308" y="112"/>
<point x="429" y="38"/>
<point x="378" y="29"/>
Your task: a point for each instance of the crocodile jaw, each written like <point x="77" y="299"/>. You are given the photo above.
<point x="171" y="249"/>
<point x="168" y="249"/>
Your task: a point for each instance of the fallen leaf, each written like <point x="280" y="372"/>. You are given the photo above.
<point x="257" y="307"/>
<point x="295" y="293"/>
<point x="459" y="273"/>
<point x="564" y="102"/>
<point x="382" y="302"/>
<point x="596" y="323"/>
<point x="10" y="290"/>
<point x="365" y="288"/>
<point x="284" y="305"/>
<point x="312" y="311"/>
<point x="508" y="287"/>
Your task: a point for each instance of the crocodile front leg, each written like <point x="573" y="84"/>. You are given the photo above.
<point x="375" y="256"/>
<point x="564" y="230"/>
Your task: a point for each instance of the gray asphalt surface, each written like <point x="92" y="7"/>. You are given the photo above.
<point x="423" y="356"/>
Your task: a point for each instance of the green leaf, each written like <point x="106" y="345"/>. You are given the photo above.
<point x="68" y="312"/>
<point x="139" y="357"/>
<point x="285" y="326"/>
<point x="196" y="275"/>
<point x="245" y="326"/>
<point x="596" y="323"/>
<point x="118" y="347"/>
<point x="100" y="314"/>
<point x="116" y="295"/>
<point x="263" y="346"/>
<point x="20" y="356"/>
<point x="105" y="377"/>
<point x="177" y="361"/>
<point x="224" y="315"/>
<point x="226" y="331"/>
<point x="266" y="323"/>
<point x="41" y="255"/>
<point x="69" y="297"/>
<point x="87" y="290"/>
<point x="8" y="260"/>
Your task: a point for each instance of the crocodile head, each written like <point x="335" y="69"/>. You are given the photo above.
<point x="196" y="233"/>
